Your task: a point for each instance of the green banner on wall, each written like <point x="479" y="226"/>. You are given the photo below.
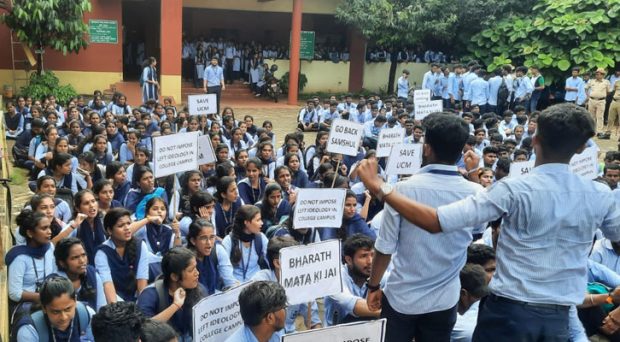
<point x="103" y="31"/>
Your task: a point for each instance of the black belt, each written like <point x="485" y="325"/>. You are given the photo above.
<point x="598" y="98"/>
<point x="497" y="298"/>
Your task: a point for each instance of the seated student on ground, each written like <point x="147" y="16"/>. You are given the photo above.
<point x="282" y="176"/>
<point x="87" y="224"/>
<point x="60" y="167"/>
<point x="191" y="183"/>
<point x="201" y="205"/>
<point x="61" y="317"/>
<point x="212" y="260"/>
<point x="158" y="236"/>
<point x="72" y="263"/>
<point x="89" y="171"/>
<point x="299" y="177"/>
<point x="122" y="260"/>
<point x="104" y="192"/>
<point x="263" y="308"/>
<point x="483" y="255"/>
<point x="137" y="197"/>
<point x="44" y="204"/>
<point x="171" y="298"/>
<point x="352" y="221"/>
<point x="264" y="153"/>
<point x="350" y="305"/>
<point x="156" y="331"/>
<point x="473" y="288"/>
<point x="273" y="208"/>
<point x="119" y="322"/>
<point x="273" y="274"/>
<point x="227" y="205"/>
<point x="29" y="264"/>
<point x="141" y="158"/>
<point x="252" y="188"/>
<point x="246" y="244"/>
<point x="47" y="185"/>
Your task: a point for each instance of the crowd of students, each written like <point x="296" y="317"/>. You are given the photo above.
<point x="101" y="229"/>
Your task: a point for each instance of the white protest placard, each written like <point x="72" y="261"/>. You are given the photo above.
<point x="585" y="163"/>
<point x="405" y="159"/>
<point x="421" y="95"/>
<point x="217" y="316"/>
<point x="423" y="109"/>
<point x="389" y="137"/>
<point x="519" y="169"/>
<point x="319" y="208"/>
<point x="206" y="155"/>
<point x="370" y="331"/>
<point x="345" y="137"/>
<point x="311" y="271"/>
<point x="202" y="104"/>
<point x="175" y="153"/>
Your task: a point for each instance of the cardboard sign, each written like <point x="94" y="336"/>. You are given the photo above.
<point x="206" y="155"/>
<point x="585" y="164"/>
<point x="370" y="331"/>
<point x="521" y="168"/>
<point x="389" y="137"/>
<point x="319" y="208"/>
<point x="202" y="104"/>
<point x="405" y="159"/>
<point x="217" y="316"/>
<point x="423" y="109"/>
<point x="311" y="271"/>
<point x="175" y="153"/>
<point x="421" y="95"/>
<point x="345" y="137"/>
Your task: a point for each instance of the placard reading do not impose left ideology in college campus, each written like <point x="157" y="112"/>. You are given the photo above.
<point x="311" y="271"/>
<point x="217" y="317"/>
<point x="202" y="104"/>
<point x="345" y="137"/>
<point x="372" y="331"/>
<point x="175" y="153"/>
<point x="405" y="159"/>
<point x="319" y="208"/>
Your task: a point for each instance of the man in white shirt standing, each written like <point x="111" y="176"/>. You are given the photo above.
<point x="403" y="86"/>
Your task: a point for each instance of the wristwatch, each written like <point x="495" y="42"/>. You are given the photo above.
<point x="384" y="190"/>
<point x="370" y="287"/>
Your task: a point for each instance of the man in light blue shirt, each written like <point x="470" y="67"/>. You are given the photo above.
<point x="403" y="86"/>
<point x="371" y="131"/>
<point x="455" y="84"/>
<point x="572" y="86"/>
<point x="467" y="79"/>
<point x="263" y="308"/>
<point x="431" y="79"/>
<point x="421" y="294"/>
<point x="523" y="87"/>
<point x="445" y="80"/>
<point x="494" y="83"/>
<point x="479" y="91"/>
<point x="213" y="81"/>
<point x="549" y="218"/>
<point x="350" y="305"/>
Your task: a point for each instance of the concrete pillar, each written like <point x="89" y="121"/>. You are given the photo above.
<point x="170" y="48"/>
<point x="293" y="86"/>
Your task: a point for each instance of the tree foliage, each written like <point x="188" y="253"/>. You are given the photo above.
<point x="57" y="24"/>
<point x="557" y="35"/>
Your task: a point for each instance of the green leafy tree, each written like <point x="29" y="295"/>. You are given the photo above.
<point x="557" y="35"/>
<point x="446" y="24"/>
<point x="55" y="24"/>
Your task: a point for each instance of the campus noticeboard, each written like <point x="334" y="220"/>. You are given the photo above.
<point x="103" y="31"/>
<point x="306" y="47"/>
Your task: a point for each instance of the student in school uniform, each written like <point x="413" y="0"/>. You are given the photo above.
<point x="171" y="298"/>
<point x="115" y="173"/>
<point x="352" y="221"/>
<point x="29" y="264"/>
<point x="159" y="237"/>
<point x="227" y="204"/>
<point x="72" y="263"/>
<point x="245" y="243"/>
<point x="252" y="188"/>
<point x="122" y="260"/>
<point x="274" y="209"/>
<point x="61" y="317"/>
<point x="212" y="260"/>
<point x="137" y="197"/>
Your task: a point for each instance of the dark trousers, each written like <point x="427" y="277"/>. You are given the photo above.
<point x="228" y="69"/>
<point x="186" y="68"/>
<point x="501" y="319"/>
<point x="217" y="90"/>
<point x="432" y="326"/>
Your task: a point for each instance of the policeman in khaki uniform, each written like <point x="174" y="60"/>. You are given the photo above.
<point x="614" y="108"/>
<point x="597" y="90"/>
